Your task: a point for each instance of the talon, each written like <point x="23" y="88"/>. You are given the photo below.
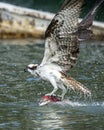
<point x="51" y="98"/>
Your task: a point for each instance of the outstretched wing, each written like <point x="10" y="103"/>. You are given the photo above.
<point x="83" y="29"/>
<point x="61" y="46"/>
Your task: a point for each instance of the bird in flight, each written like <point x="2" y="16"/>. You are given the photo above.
<point x="62" y="39"/>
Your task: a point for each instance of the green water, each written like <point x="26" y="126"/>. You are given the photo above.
<point x="20" y="92"/>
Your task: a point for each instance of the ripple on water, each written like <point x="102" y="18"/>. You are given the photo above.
<point x="19" y="92"/>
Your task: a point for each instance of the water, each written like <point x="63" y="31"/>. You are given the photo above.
<point x="20" y="92"/>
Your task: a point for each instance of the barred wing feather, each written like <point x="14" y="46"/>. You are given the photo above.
<point x="61" y="46"/>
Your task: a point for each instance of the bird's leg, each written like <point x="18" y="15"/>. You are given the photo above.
<point x="64" y="90"/>
<point x="54" y="84"/>
<point x="63" y="93"/>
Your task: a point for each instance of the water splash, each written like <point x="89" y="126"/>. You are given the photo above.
<point x="81" y="104"/>
<point x="88" y="107"/>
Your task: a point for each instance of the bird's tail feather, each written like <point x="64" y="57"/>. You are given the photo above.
<point x="75" y="85"/>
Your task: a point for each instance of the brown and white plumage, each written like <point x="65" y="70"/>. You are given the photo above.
<point x="62" y="47"/>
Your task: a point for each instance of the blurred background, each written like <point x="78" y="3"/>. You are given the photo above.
<point x="54" y="5"/>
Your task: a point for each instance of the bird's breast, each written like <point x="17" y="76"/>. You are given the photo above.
<point x="48" y="72"/>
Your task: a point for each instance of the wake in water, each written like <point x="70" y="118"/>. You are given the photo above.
<point x="88" y="107"/>
<point x="56" y="100"/>
<point x="83" y="104"/>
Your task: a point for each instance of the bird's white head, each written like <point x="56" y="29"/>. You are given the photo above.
<point x="32" y="68"/>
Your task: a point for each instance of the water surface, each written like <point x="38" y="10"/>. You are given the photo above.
<point x="20" y="92"/>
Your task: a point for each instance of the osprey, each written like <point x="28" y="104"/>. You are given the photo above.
<point x="62" y="47"/>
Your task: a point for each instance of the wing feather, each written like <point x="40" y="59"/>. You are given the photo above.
<point x="61" y="46"/>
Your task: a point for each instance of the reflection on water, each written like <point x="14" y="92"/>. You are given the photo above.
<point x="20" y="92"/>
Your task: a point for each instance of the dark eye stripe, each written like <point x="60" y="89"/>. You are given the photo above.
<point x="32" y="68"/>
